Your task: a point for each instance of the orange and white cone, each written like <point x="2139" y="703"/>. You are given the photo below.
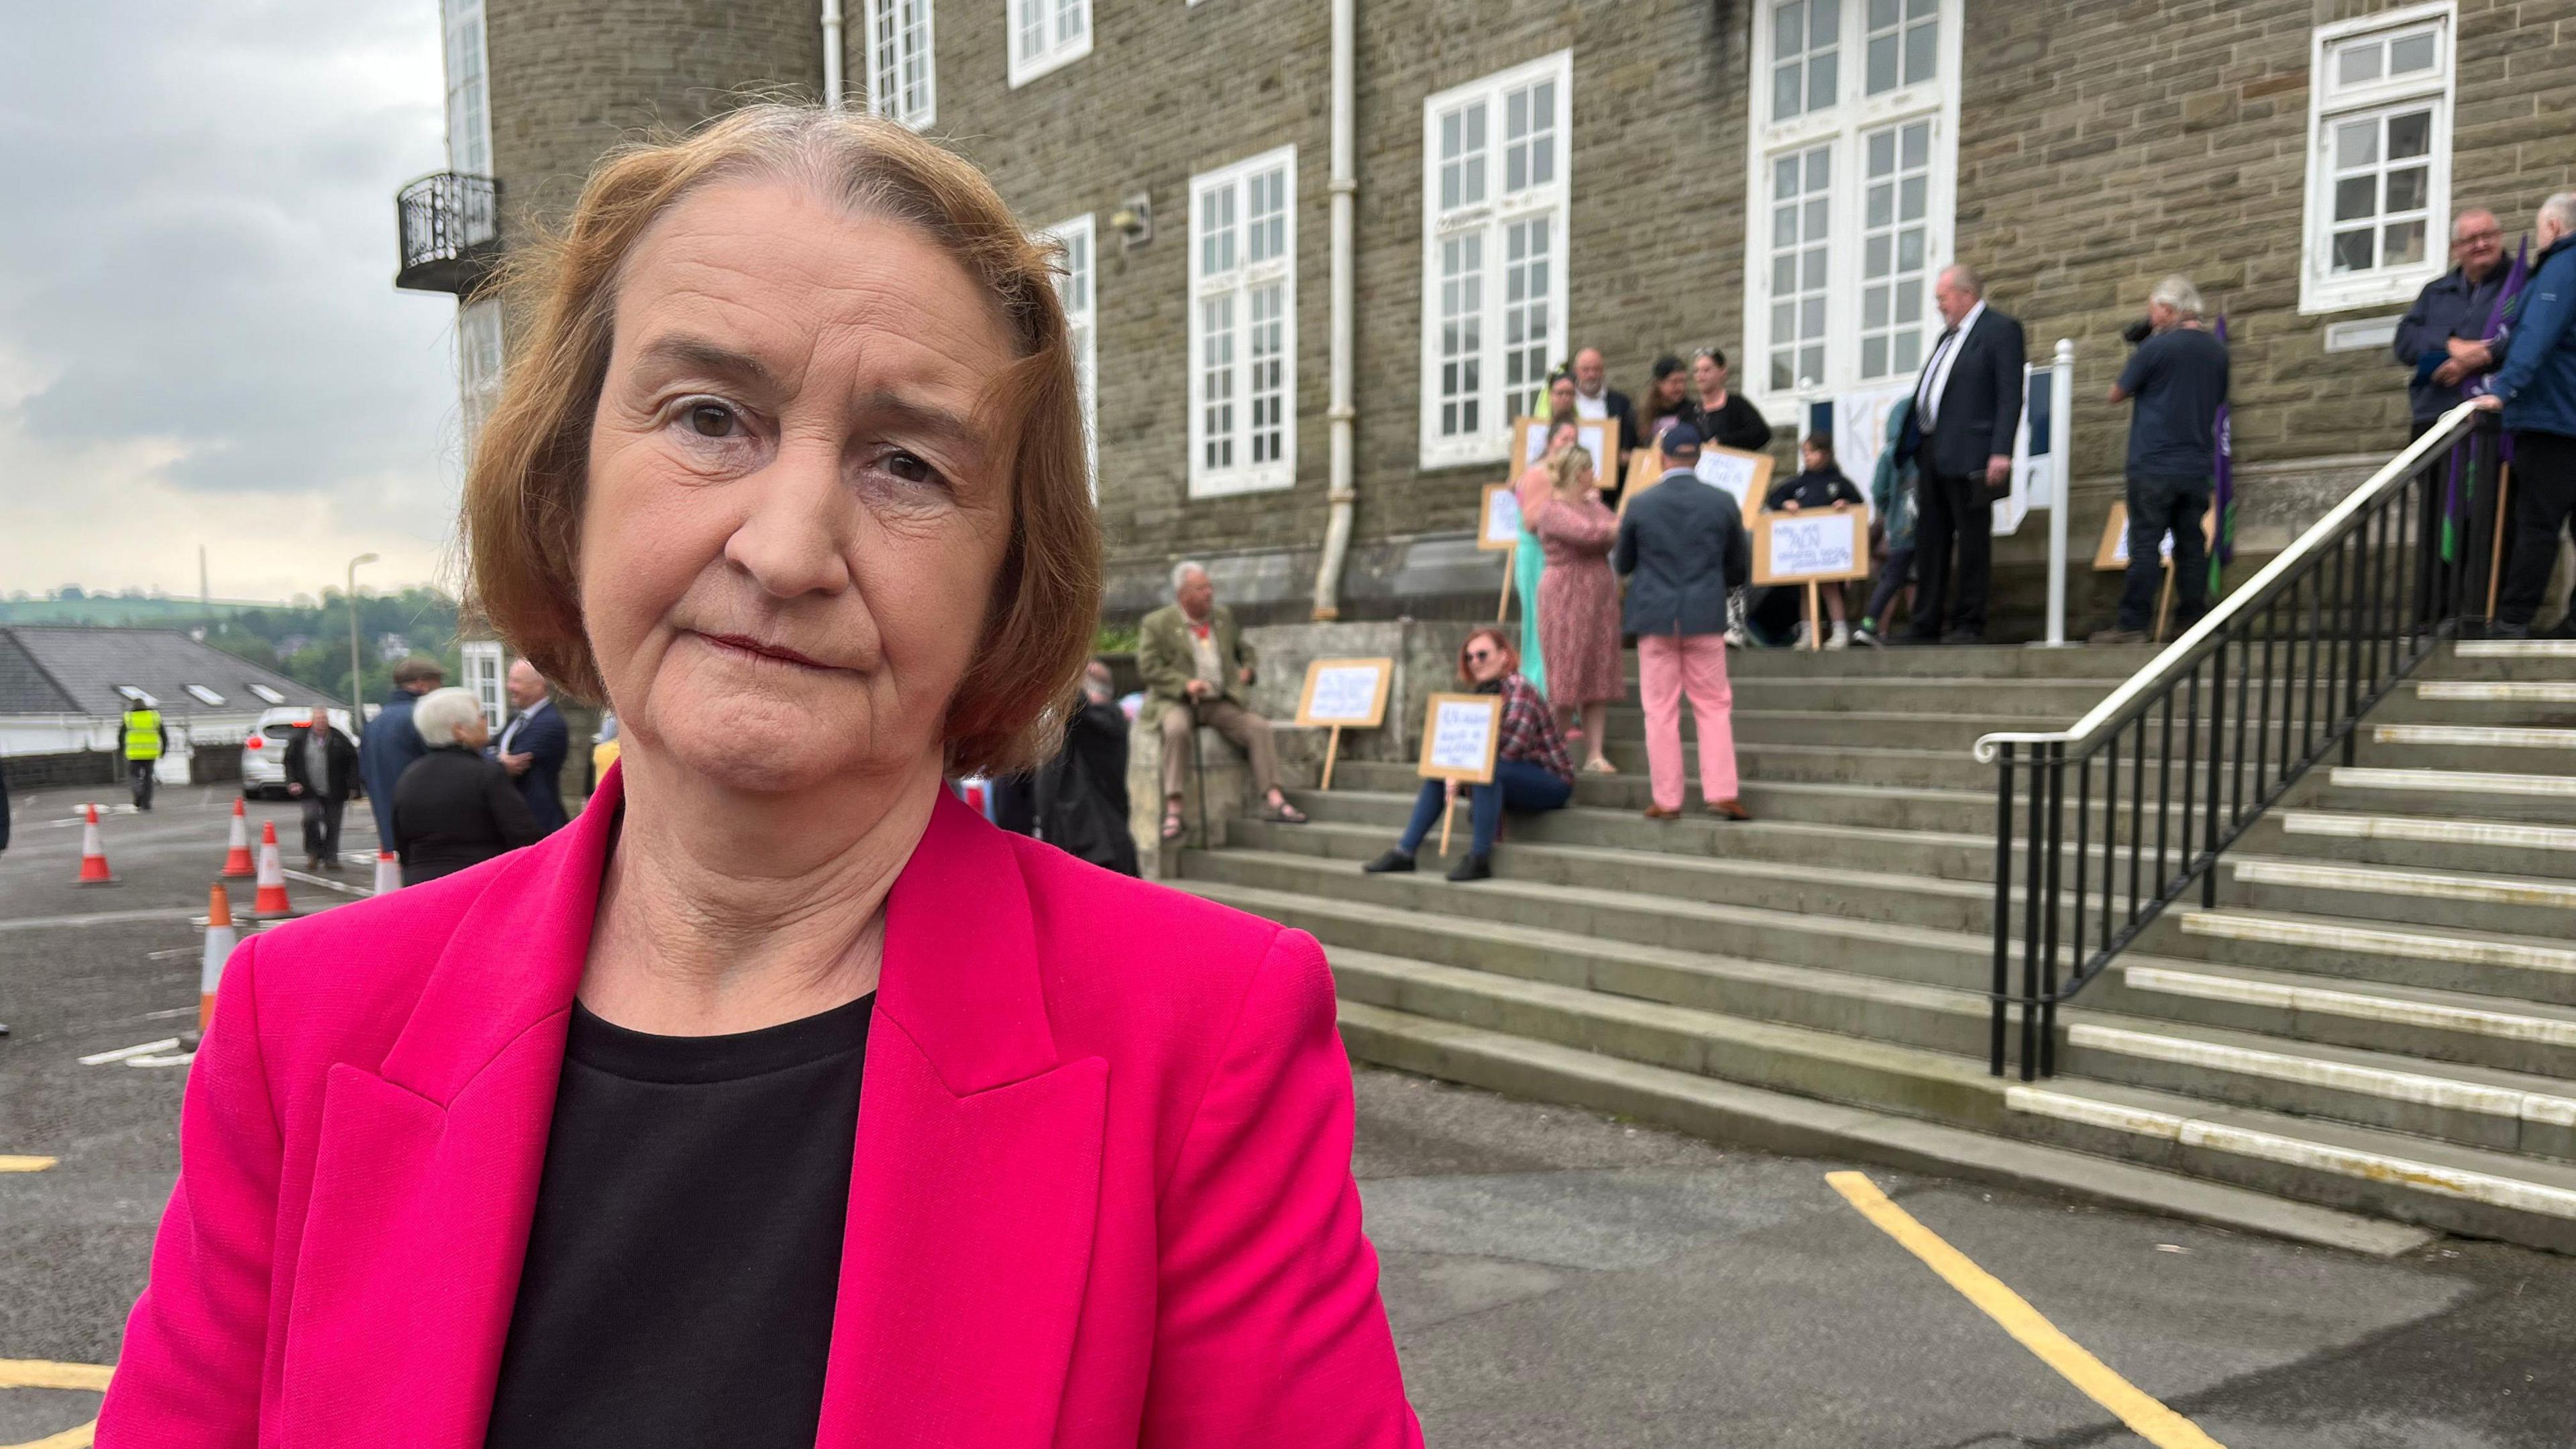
<point x="93" y="866"/>
<point x="388" y="872"/>
<point x="270" y="903"/>
<point x="237" y="861"/>
<point x="220" y="940"/>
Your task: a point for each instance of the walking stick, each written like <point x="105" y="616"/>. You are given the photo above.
<point x="2164" y="602"/>
<point x="2495" y="563"/>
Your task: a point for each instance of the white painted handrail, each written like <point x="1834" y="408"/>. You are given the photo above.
<point x="2186" y="650"/>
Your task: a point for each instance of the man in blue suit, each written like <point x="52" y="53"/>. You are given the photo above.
<point x="533" y="745"/>
<point x="390" y="743"/>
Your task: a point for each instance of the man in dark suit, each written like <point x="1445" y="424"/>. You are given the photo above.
<point x="1967" y="405"/>
<point x="1594" y="397"/>
<point x="533" y="745"/>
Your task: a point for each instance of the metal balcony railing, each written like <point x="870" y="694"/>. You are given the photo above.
<point x="450" y="227"/>
<point x="2099" y="827"/>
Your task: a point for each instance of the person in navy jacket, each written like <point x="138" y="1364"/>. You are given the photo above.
<point x="2536" y="388"/>
<point x="533" y="744"/>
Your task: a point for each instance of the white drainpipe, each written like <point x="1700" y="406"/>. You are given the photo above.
<point x="832" y="54"/>
<point x="1338" y="415"/>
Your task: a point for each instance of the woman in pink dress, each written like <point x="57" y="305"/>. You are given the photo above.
<point x="1578" y="600"/>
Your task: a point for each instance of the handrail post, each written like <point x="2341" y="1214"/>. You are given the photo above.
<point x="2217" y="761"/>
<point x="2061" y="443"/>
<point x="2046" y="884"/>
<point x="2033" y="844"/>
<point x="2003" y="905"/>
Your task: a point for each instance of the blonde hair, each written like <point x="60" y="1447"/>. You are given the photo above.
<point x="523" y="489"/>
<point x="1563" y="473"/>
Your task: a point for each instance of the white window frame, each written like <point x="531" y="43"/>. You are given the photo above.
<point x="2330" y="103"/>
<point x="1844" y="126"/>
<point x="1237" y="285"/>
<point x="469" y="88"/>
<point x="481" y="661"/>
<point x="1079" y="288"/>
<point x="479" y="356"/>
<point x="901" y="32"/>
<point x="1488" y="222"/>
<point x="1055" y="48"/>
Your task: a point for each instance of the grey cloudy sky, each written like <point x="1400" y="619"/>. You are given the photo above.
<point x="200" y="342"/>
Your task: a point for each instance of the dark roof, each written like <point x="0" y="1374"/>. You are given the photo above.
<point x="72" y="669"/>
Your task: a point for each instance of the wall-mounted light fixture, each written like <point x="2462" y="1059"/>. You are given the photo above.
<point x="1134" y="220"/>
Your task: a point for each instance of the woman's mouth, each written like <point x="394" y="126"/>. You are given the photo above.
<point x="779" y="653"/>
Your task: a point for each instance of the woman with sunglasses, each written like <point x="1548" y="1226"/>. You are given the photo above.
<point x="1531" y="769"/>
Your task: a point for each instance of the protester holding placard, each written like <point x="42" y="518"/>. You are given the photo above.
<point x="1531" y="769"/>
<point x="1667" y="399"/>
<point x="1684" y="547"/>
<point x="1529" y="558"/>
<point x="1821" y="485"/>
<point x="1726" y="419"/>
<point x="1579" y="601"/>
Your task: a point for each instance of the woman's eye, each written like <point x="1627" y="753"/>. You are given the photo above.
<point x="910" y="468"/>
<point x="711" y="420"/>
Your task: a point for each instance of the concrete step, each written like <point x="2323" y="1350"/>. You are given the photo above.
<point x="2472" y="1106"/>
<point x="2551" y="695"/>
<point x="2535" y="750"/>
<point x="1963" y="812"/>
<point x="2459" y="1189"/>
<point x="2108" y="666"/>
<point x="1830" y="765"/>
<point x="2547" y="799"/>
<point x="1733" y="1113"/>
<point x="2032" y="698"/>
<point x="2520" y="968"/>
<point x="2444" y="1026"/>
<point x="2524" y="905"/>
<point x="2399" y="837"/>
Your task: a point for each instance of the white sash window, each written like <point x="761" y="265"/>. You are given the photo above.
<point x="1243" y="326"/>
<point x="2379" y="158"/>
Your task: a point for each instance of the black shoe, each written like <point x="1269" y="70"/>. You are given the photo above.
<point x="1964" y="636"/>
<point x="1472" y="867"/>
<point x="1394" y="862"/>
<point x="2566" y="628"/>
<point x="2502" y="630"/>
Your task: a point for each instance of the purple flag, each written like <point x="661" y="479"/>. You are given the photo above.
<point x="2506" y="296"/>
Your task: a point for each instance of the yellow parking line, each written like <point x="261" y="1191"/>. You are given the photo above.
<point x="25" y="1164"/>
<point x="29" y="1373"/>
<point x="2151" y="1420"/>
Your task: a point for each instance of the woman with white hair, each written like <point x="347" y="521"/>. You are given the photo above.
<point x="453" y="807"/>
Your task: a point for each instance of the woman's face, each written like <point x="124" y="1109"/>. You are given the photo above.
<point x="1560" y="395"/>
<point x="1486" y="659"/>
<point x="1561" y="438"/>
<point x="1710" y="377"/>
<point x="793" y="524"/>
<point x="1669" y="387"/>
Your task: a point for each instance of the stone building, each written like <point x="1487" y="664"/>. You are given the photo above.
<point x="1779" y="179"/>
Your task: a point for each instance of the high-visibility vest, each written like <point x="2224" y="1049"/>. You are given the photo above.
<point x="143" y="734"/>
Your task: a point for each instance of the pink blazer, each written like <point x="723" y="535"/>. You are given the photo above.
<point x="1101" y="1192"/>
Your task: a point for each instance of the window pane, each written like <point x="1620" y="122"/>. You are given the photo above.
<point x="1876" y="253"/>
<point x="2356" y="197"/>
<point x="1916" y="187"/>
<point x="1824" y="23"/>
<point x="1820" y="80"/>
<point x="2410" y="53"/>
<point x="1882" y="153"/>
<point x="1814" y="279"/>
<point x="1918" y="9"/>
<point x="1784" y="370"/>
<point x="1909" y="250"/>
<point x="1819" y="168"/>
<point x="2352" y="252"/>
<point x="1785" y="92"/>
<point x="2356" y="144"/>
<point x="1882" y="14"/>
<point x="2410" y="134"/>
<point x="1873" y="357"/>
<point x="1909" y="301"/>
<point x="2403" y="243"/>
<point x="1918" y="145"/>
<point x="1873" y="307"/>
<point x="1882" y="63"/>
<point x="1909" y="350"/>
<point x="1811" y="363"/>
<point x="1920" y="57"/>
<point x="1816" y="216"/>
<point x="1881" y="207"/>
<point x="1784" y="274"/>
<point x="2406" y="189"/>
<point x="1788" y="28"/>
<point x="2358" y="63"/>
<point x="1784" y="226"/>
<point x="1784" y="178"/>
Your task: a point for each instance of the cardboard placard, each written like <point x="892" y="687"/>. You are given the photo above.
<point x="1345" y="693"/>
<point x="1598" y="436"/>
<point x="1811" y="546"/>
<point x="1460" y="733"/>
<point x="2113" y="555"/>
<point x="1644" y="466"/>
<point x="1746" y="475"/>
<point x="1499" y="518"/>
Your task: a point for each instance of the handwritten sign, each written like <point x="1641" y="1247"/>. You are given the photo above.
<point x="1345" y="692"/>
<point x="1501" y="515"/>
<point x="2113" y="555"/>
<point x="1460" y="733"/>
<point x="1746" y="475"/>
<point x="1597" y="436"/>
<point x="1817" y="545"/>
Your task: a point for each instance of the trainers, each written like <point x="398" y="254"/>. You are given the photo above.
<point x="1394" y="862"/>
<point x="1472" y="867"/>
<point x="1841" y="637"/>
<point x="1868" y="637"/>
<point x="1736" y="638"/>
<point x="2118" y="636"/>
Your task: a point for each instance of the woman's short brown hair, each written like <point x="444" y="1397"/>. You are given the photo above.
<point x="1502" y="641"/>
<point x="523" y="488"/>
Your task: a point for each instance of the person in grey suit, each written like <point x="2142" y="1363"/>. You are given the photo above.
<point x="1683" y="547"/>
<point x="1967" y="406"/>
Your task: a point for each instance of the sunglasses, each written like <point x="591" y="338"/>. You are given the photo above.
<point x="1480" y="656"/>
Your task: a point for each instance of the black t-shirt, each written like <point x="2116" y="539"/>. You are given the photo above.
<point x="2179" y="377"/>
<point x="686" y="1253"/>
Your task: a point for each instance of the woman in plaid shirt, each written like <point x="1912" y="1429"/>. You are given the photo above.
<point x="1531" y="769"/>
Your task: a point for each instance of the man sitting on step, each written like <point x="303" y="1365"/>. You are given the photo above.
<point x="1199" y="670"/>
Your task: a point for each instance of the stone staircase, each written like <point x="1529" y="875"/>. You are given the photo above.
<point x="2377" y="1020"/>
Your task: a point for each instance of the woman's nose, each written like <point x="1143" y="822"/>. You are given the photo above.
<point x="794" y="536"/>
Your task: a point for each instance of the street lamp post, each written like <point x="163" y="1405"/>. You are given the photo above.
<point x="357" y="684"/>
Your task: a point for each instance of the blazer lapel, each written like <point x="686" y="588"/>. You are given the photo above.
<point x="976" y="1175"/>
<point x="425" y="1177"/>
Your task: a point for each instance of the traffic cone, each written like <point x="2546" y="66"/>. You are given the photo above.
<point x="270" y="903"/>
<point x="220" y="939"/>
<point x="388" y="872"/>
<point x="237" y="862"/>
<point x="93" y="867"/>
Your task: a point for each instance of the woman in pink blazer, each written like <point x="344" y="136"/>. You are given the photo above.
<point x="780" y="1100"/>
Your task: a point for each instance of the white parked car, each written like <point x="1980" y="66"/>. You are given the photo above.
<point x="263" y="769"/>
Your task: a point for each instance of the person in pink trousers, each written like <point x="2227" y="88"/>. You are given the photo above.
<point x="1682" y="546"/>
<point x="780" y="1101"/>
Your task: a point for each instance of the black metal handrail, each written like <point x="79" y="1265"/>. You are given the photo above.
<point x="2268" y="683"/>
<point x="450" y="228"/>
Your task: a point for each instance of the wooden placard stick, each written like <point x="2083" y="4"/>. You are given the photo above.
<point x="1503" y="604"/>
<point x="2495" y="563"/>
<point x="1332" y="747"/>
<point x="2164" y="602"/>
<point x="1448" y="812"/>
<point x="1815" y="613"/>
